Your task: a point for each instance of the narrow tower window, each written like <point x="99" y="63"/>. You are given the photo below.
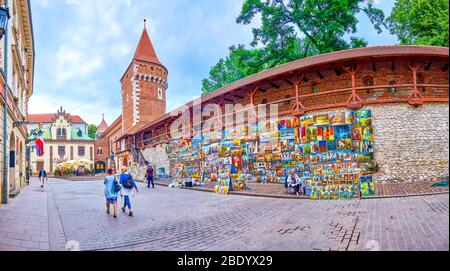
<point x="160" y="94"/>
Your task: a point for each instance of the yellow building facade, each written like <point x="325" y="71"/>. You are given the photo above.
<point x="65" y="139"/>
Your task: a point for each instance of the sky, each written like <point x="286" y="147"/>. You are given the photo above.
<point x="83" y="47"/>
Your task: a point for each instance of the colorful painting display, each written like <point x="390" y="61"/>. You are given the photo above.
<point x="328" y="151"/>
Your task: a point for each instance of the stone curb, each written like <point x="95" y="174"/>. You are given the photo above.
<point x="407" y="196"/>
<point x="305" y="198"/>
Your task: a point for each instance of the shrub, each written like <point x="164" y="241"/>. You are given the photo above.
<point x="68" y="171"/>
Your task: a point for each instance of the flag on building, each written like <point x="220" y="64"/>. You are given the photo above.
<point x="39" y="146"/>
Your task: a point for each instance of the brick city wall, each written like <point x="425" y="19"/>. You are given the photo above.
<point x="411" y="144"/>
<point x="157" y="157"/>
<point x="407" y="145"/>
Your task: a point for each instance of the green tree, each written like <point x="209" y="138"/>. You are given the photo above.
<point x="92" y="130"/>
<point x="420" y="22"/>
<point x="292" y="29"/>
<point x="238" y="64"/>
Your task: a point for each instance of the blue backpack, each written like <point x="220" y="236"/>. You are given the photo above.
<point x="116" y="186"/>
<point x="128" y="183"/>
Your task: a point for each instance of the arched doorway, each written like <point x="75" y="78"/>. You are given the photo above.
<point x="100" y="167"/>
<point x="125" y="162"/>
<point x="12" y="162"/>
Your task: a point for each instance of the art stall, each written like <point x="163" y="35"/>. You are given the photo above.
<point x="331" y="153"/>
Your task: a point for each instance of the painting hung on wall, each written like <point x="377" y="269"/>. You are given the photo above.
<point x="363" y="118"/>
<point x="311" y="133"/>
<point x="342" y="132"/>
<point x="323" y="146"/>
<point x="337" y="118"/>
<point x="367" y="133"/>
<point x="282" y="124"/>
<point x="320" y="120"/>
<point x="306" y="121"/>
<point x="367" y="186"/>
<point x="349" y="117"/>
<point x="326" y="150"/>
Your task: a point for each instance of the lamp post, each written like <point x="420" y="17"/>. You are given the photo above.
<point x="4" y="18"/>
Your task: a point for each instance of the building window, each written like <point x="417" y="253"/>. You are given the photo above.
<point x="368" y="81"/>
<point x="61" y="133"/>
<point x="314" y="87"/>
<point x="81" y="151"/>
<point x="61" y="150"/>
<point x="392" y="89"/>
<point x="99" y="151"/>
<point x="160" y="94"/>
<point x="71" y="152"/>
<point x="288" y="102"/>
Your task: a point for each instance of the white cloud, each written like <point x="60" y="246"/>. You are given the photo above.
<point x="95" y="40"/>
<point x="73" y="2"/>
<point x="72" y="63"/>
<point x="91" y="112"/>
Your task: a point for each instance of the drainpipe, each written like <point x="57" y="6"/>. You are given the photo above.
<point x="5" y="121"/>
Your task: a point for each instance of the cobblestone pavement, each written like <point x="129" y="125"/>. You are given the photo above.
<point x="381" y="189"/>
<point x="175" y="219"/>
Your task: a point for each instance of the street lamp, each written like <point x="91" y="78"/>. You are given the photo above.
<point x="4" y="18"/>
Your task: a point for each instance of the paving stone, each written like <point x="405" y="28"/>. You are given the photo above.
<point x="174" y="219"/>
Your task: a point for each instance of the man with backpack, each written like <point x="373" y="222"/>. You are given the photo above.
<point x="150" y="175"/>
<point x="42" y="176"/>
<point x="128" y="185"/>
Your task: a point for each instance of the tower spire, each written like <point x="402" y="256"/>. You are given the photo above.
<point x="145" y="51"/>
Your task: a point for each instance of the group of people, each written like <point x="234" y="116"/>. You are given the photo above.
<point x="125" y="187"/>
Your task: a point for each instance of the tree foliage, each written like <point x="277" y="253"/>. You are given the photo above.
<point x="92" y="130"/>
<point x="420" y="22"/>
<point x="292" y="29"/>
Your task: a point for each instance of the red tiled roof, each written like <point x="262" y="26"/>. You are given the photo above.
<point x="103" y="126"/>
<point x="117" y="124"/>
<point x="48" y="118"/>
<point x="133" y="130"/>
<point x="311" y="62"/>
<point x="145" y="51"/>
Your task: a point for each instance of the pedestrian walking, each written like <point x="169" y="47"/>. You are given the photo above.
<point x="112" y="189"/>
<point x="150" y="175"/>
<point x="42" y="176"/>
<point x="128" y="187"/>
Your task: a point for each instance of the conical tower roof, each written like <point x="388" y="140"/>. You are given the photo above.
<point x="145" y="51"/>
<point x="103" y="125"/>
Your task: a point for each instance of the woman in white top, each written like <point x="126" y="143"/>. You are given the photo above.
<point x="294" y="181"/>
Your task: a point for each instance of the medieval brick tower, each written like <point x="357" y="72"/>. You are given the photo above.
<point x="144" y="86"/>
